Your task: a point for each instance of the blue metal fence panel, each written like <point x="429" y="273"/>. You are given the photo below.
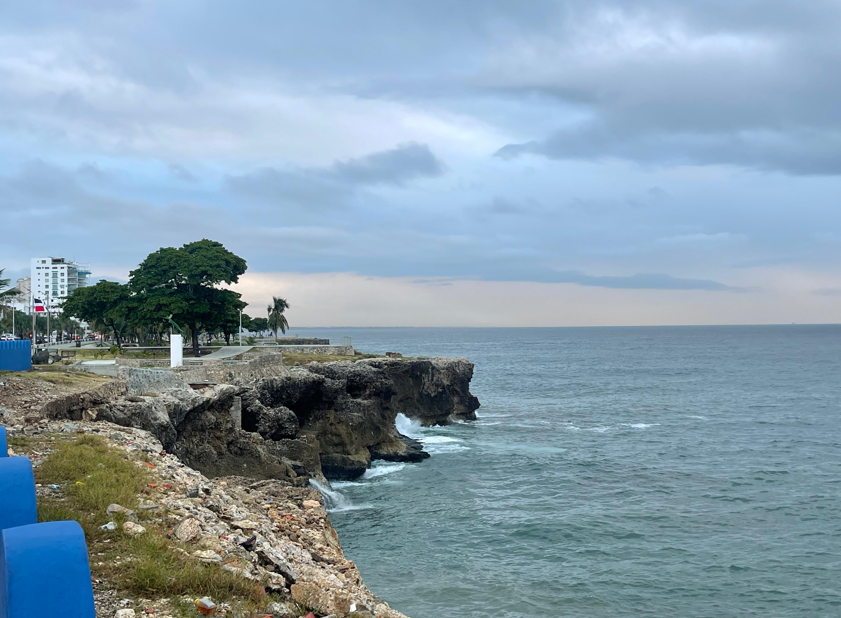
<point x="15" y="355"/>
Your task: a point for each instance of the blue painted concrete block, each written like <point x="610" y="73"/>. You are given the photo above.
<point x="17" y="493"/>
<point x="15" y="355"/>
<point x="44" y="571"/>
<point x="4" y="446"/>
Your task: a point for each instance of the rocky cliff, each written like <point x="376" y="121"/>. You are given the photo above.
<point x="264" y="420"/>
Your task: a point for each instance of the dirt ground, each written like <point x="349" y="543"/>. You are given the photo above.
<point x="26" y="391"/>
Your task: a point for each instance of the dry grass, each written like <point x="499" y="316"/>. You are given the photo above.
<point x="59" y="374"/>
<point x="92" y="476"/>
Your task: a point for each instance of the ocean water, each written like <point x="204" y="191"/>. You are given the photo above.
<point x="670" y="471"/>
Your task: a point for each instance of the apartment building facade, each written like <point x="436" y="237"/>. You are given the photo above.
<point x="52" y="279"/>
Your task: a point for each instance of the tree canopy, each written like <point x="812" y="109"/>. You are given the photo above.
<point x="106" y="302"/>
<point x="182" y="283"/>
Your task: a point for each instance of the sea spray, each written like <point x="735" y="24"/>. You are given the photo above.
<point x="335" y="501"/>
<point x="408" y="427"/>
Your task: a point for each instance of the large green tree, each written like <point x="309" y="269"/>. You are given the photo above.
<point x="106" y="303"/>
<point x="277" y="321"/>
<point x="183" y="283"/>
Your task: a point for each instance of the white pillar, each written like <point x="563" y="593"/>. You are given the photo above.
<point x="176" y="350"/>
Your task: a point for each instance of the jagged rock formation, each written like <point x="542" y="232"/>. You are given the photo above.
<point x="321" y="421"/>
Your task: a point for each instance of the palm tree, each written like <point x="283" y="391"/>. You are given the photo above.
<point x="11" y="293"/>
<point x="277" y="321"/>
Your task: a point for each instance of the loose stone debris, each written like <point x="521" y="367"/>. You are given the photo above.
<point x="267" y="531"/>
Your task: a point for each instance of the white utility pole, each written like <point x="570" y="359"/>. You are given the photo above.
<point x="240" y="327"/>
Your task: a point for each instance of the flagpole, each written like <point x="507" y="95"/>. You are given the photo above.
<point x="32" y="310"/>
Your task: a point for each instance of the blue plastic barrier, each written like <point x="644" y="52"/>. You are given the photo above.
<point x="17" y="493"/>
<point x="37" y="560"/>
<point x="41" y="562"/>
<point x="4" y="446"/>
<point x="15" y="355"/>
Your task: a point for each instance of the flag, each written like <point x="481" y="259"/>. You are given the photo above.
<point x="38" y="306"/>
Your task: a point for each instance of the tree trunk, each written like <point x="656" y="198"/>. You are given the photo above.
<point x="194" y="331"/>
<point x="116" y="335"/>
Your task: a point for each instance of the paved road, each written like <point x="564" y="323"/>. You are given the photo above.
<point x="228" y="351"/>
<point x="100" y="367"/>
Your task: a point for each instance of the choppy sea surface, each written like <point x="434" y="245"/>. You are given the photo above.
<point x="668" y="471"/>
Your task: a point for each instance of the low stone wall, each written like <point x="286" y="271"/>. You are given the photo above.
<point x="262" y="366"/>
<point x="125" y="361"/>
<point x="142" y="380"/>
<point x="338" y="350"/>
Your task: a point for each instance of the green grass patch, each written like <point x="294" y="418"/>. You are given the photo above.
<point x="96" y="475"/>
<point x="19" y="442"/>
<point x="93" y="475"/>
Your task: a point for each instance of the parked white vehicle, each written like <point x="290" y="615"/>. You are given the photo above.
<point x="7" y="337"/>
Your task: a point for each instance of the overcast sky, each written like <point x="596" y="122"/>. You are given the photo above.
<point x="478" y="162"/>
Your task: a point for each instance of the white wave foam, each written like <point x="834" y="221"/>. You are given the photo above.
<point x="447" y="447"/>
<point x="408" y="427"/>
<point x="700" y="418"/>
<point x="335" y="501"/>
<point x="640" y="425"/>
<point x="438" y="440"/>
<point x="382" y="470"/>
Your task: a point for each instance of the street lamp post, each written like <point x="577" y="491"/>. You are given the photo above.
<point x="240" y="327"/>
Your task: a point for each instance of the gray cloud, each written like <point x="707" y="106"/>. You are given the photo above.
<point x="332" y="186"/>
<point x="802" y="152"/>
<point x="696" y="84"/>
<point x="640" y="281"/>
<point x="396" y="166"/>
<point x="302" y="187"/>
<point x="180" y="172"/>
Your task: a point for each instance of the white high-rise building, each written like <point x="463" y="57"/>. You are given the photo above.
<point x="54" y="278"/>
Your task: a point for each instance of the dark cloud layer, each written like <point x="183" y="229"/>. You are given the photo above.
<point x="640" y="144"/>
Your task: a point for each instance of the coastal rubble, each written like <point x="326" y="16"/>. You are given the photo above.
<point x="268" y="531"/>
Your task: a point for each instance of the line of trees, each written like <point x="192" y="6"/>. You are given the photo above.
<point x="182" y="284"/>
